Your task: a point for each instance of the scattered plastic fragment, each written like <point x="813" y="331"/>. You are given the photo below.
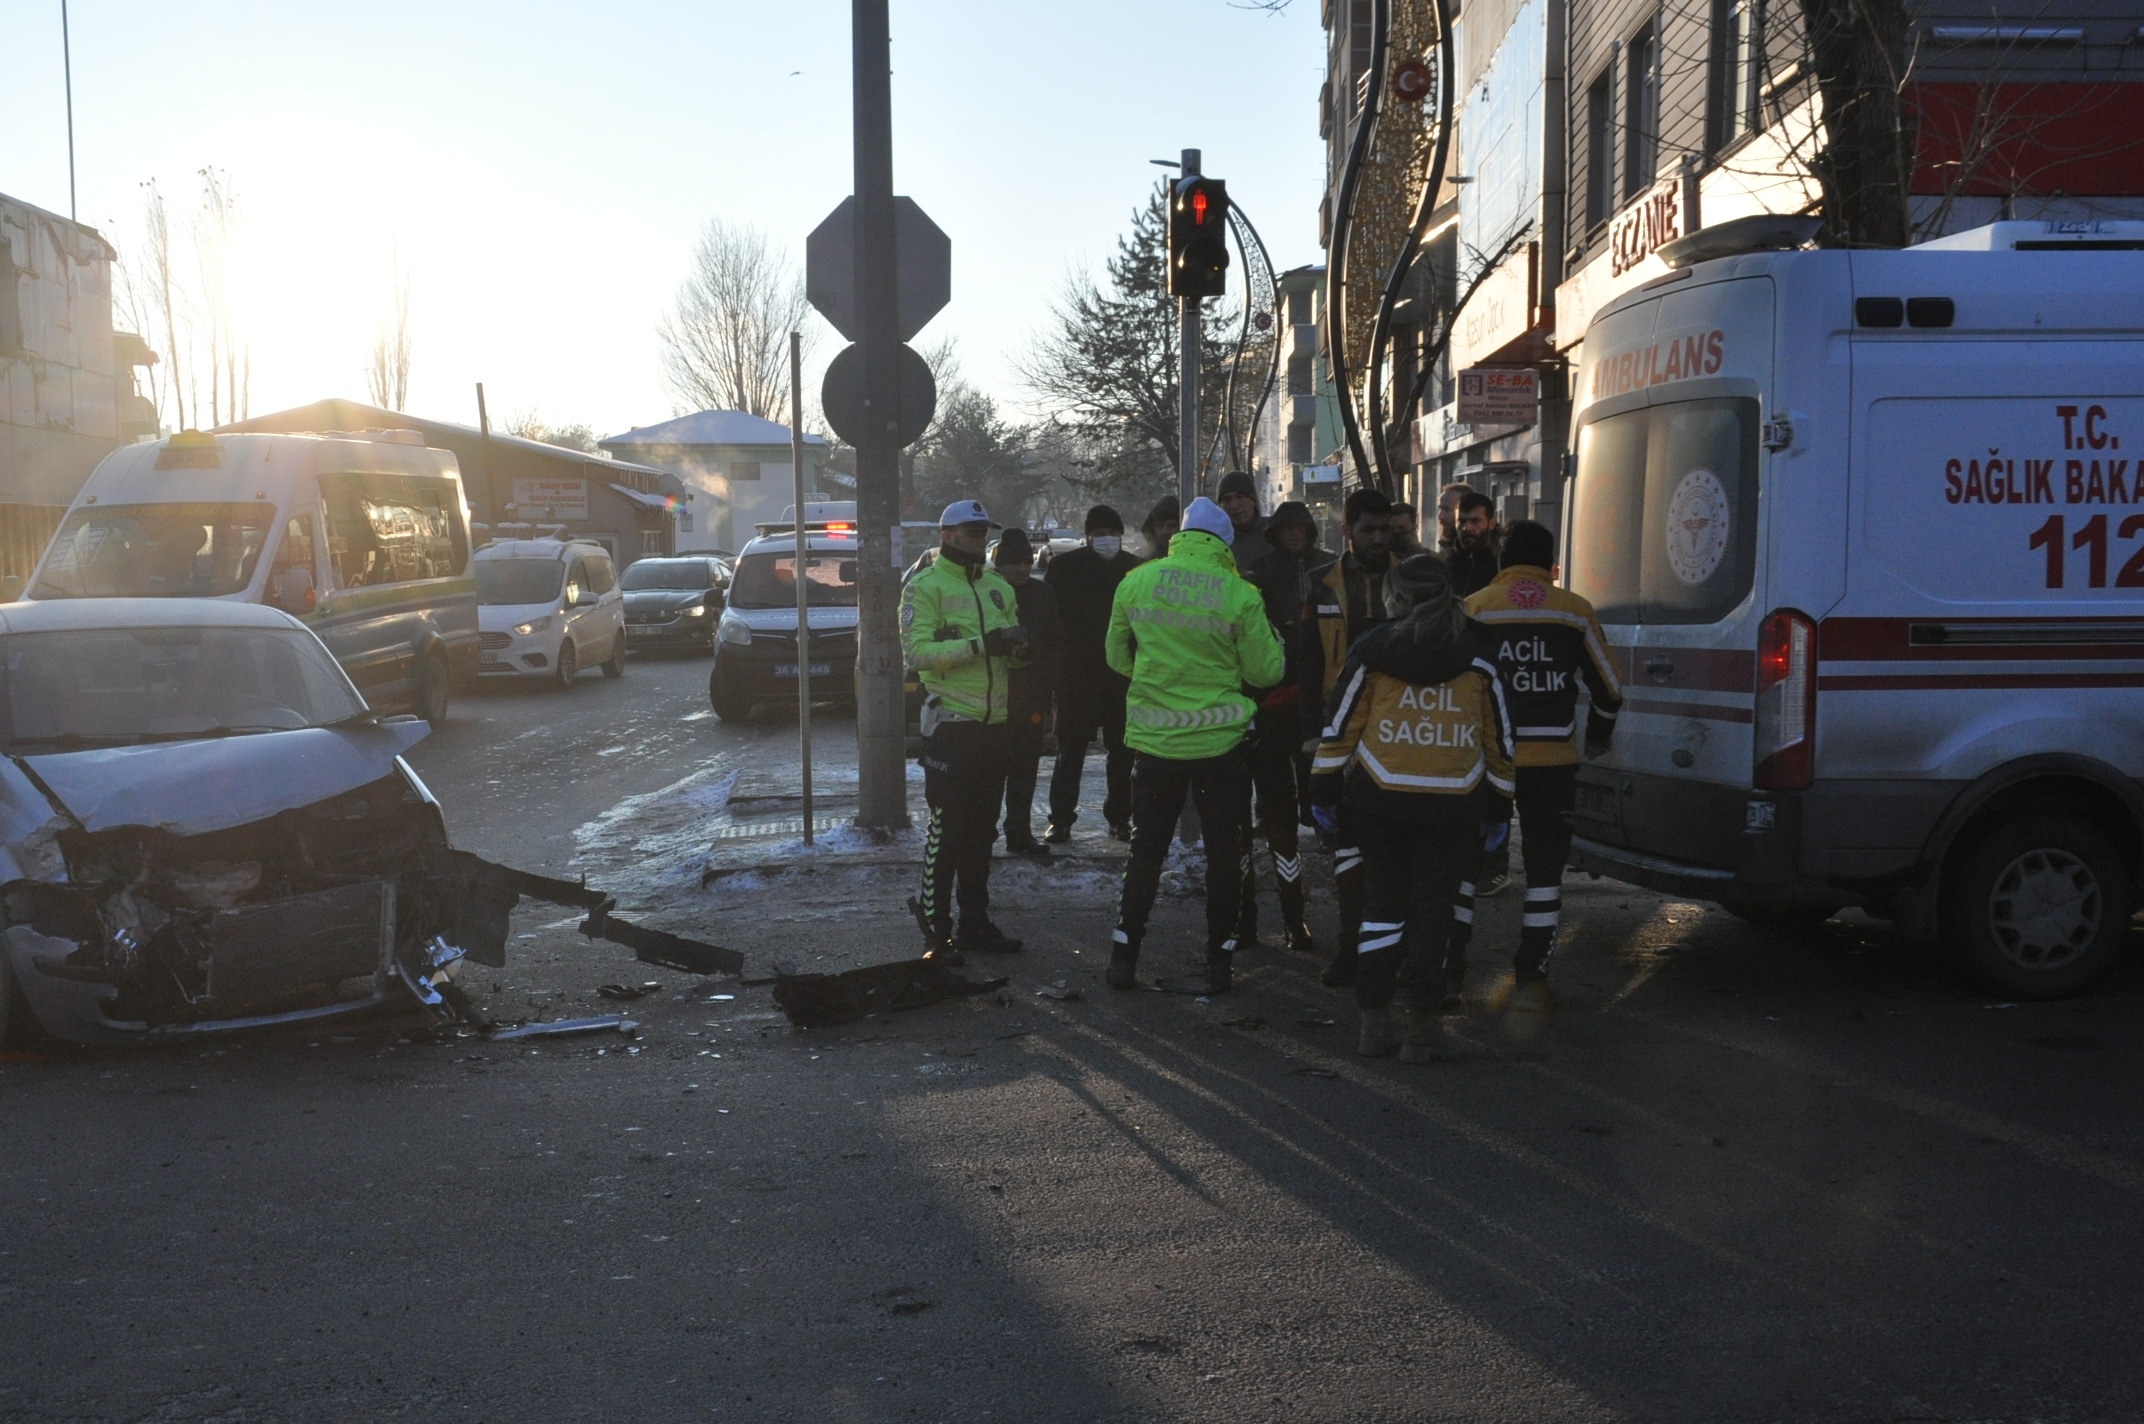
<point x="1059" y="991"/>
<point x="559" y="1028"/>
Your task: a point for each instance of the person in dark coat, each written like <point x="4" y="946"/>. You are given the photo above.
<point x="1161" y="524"/>
<point x="1090" y="695"/>
<point x="1035" y="679"/>
<point x="1238" y="495"/>
<point x="1282" y="577"/>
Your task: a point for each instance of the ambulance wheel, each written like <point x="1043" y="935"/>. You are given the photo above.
<point x="2039" y="906"/>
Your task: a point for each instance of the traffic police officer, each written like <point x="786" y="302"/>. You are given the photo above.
<point x="959" y="632"/>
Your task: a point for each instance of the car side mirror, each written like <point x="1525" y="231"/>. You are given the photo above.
<point x="294" y="591"/>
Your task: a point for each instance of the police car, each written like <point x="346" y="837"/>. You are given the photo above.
<point x="756" y="653"/>
<point x="1867" y="531"/>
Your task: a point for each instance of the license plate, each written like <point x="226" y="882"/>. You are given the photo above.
<point x="1598" y="803"/>
<point x="790" y="669"/>
<point x="492" y="657"/>
<point x="632" y="632"/>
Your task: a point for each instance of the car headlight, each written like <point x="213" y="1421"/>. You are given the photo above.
<point x="534" y="625"/>
<point x="698" y="610"/>
<point x="734" y="630"/>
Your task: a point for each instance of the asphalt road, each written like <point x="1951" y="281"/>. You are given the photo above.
<point x="1737" y="1175"/>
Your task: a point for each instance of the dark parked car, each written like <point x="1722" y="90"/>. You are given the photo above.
<point x="674" y="603"/>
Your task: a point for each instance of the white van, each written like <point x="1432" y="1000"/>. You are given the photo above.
<point x="549" y="608"/>
<point x="1864" y="531"/>
<point x="365" y="537"/>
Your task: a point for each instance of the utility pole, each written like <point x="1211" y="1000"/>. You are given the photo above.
<point x="881" y="783"/>
<point x="802" y="581"/>
<point x="67" y="67"/>
<point x="1187" y="385"/>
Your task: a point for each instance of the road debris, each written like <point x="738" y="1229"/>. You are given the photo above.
<point x="822" y="1000"/>
<point x="1059" y="991"/>
<point x="629" y="991"/>
<point x="1244" y="1021"/>
<point x="564" y="1028"/>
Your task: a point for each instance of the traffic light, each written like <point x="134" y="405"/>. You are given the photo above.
<point x="1198" y="238"/>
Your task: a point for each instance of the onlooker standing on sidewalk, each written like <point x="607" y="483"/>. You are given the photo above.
<point x="960" y="630"/>
<point x="1347" y="599"/>
<point x="1473" y="555"/>
<point x="1448" y="517"/>
<point x="1545" y="642"/>
<point x="1406" y="539"/>
<point x="1282" y="579"/>
<point x="1417" y="748"/>
<point x="1160" y="524"/>
<point x="1237" y="494"/>
<point x="1191" y="634"/>
<point x="1090" y="696"/>
<point x="1035" y="677"/>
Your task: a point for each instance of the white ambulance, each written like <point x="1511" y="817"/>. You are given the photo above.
<point x="1867" y="531"/>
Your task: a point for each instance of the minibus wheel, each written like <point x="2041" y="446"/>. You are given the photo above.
<point x="433" y="691"/>
<point x="569" y="663"/>
<point x="2038" y="905"/>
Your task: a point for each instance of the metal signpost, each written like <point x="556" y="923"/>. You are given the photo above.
<point x="878" y="268"/>
<point x="803" y="562"/>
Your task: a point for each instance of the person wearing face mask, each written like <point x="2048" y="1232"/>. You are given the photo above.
<point x="1090" y="694"/>
<point x="1347" y="599"/>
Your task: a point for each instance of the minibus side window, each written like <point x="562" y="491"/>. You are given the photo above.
<point x="391" y="529"/>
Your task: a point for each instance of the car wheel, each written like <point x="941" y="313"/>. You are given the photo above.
<point x="614" y="665"/>
<point x="729" y="704"/>
<point x="569" y="663"/>
<point x="434" y="690"/>
<point x="2038" y="906"/>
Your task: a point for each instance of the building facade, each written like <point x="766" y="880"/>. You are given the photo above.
<point x="732" y="471"/>
<point x="1588" y="133"/>
<point x="67" y="396"/>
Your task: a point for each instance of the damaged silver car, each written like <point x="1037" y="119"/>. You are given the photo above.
<point x="203" y="827"/>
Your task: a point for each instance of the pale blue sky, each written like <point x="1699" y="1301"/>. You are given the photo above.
<point x="543" y="165"/>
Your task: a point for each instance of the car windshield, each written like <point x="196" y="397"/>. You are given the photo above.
<point x="155" y="551"/>
<point x="511" y="581"/>
<point x="112" y="686"/>
<point x="662" y="573"/>
<point x="770" y="580"/>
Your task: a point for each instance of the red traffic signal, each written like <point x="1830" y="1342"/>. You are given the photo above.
<point x="1198" y="238"/>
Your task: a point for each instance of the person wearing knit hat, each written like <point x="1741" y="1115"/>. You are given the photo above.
<point x="1035" y="674"/>
<point x="1417" y="746"/>
<point x="1237" y="494"/>
<point x="1162" y="521"/>
<point x="1280" y="773"/>
<point x="1090" y="694"/>
<point x="1191" y="634"/>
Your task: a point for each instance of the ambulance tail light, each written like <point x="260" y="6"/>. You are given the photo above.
<point x="1786" y="702"/>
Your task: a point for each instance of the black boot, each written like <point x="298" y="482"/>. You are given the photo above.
<point x="1341" y="972"/>
<point x="1220" y="968"/>
<point x="986" y="938"/>
<point x="1123" y="972"/>
<point x="1291" y="915"/>
<point x="937" y="938"/>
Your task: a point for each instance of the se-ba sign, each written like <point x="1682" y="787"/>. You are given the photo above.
<point x="1499" y="395"/>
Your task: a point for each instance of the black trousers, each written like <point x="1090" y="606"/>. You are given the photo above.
<point x="1546" y="796"/>
<point x="963" y="781"/>
<point x="1273" y="783"/>
<point x="1221" y="787"/>
<point x="1076" y="726"/>
<point x="1023" y="753"/>
<point x="1411" y="876"/>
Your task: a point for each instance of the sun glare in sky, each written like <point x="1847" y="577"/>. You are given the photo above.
<point x="540" y="170"/>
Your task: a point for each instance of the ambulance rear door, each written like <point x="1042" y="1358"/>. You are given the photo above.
<point x="1664" y="538"/>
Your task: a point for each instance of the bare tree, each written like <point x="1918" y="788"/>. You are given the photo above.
<point x="387" y="374"/>
<point x="157" y="301"/>
<point x="531" y="425"/>
<point x="726" y="344"/>
<point x="1858" y="51"/>
<point x="229" y="354"/>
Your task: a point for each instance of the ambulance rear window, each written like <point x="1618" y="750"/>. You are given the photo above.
<point x="1664" y="516"/>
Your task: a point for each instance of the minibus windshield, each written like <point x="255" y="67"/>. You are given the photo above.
<point x="191" y="550"/>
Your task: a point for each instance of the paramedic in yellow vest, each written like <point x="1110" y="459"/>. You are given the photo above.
<point x="1546" y="644"/>
<point x="1417" y="748"/>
